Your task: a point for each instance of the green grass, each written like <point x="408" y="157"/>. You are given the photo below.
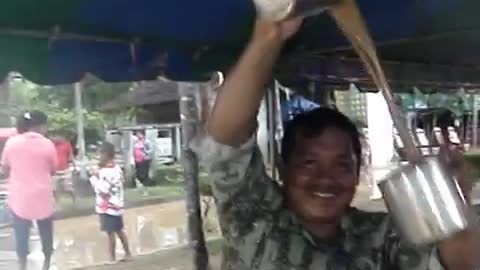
<point x="173" y="176"/>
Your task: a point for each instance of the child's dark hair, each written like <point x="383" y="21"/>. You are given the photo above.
<point x="108" y="149"/>
<point x="30" y="120"/>
<point x="313" y="123"/>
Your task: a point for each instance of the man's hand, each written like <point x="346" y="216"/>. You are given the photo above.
<point x="452" y="157"/>
<point x="460" y="252"/>
<point x="233" y="118"/>
<point x="276" y="31"/>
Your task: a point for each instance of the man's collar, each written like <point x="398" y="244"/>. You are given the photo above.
<point x="109" y="165"/>
<point x="33" y="134"/>
<point x="344" y="232"/>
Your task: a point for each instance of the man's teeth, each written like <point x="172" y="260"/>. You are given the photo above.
<point x="324" y="195"/>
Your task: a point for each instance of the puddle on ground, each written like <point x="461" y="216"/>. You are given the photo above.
<point x="79" y="242"/>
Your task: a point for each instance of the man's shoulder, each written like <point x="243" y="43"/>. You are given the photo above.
<point x="46" y="142"/>
<point x="14" y="142"/>
<point x="212" y="152"/>
<point x="15" y="139"/>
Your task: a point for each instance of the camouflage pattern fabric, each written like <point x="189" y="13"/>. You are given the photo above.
<point x="260" y="233"/>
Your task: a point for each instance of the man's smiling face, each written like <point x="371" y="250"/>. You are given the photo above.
<point x="321" y="176"/>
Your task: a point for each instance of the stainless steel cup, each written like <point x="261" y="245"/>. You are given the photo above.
<point x="426" y="203"/>
<point x="278" y="10"/>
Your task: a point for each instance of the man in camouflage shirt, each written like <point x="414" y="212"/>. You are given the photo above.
<point x="307" y="223"/>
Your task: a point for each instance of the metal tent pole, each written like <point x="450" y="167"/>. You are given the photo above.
<point x="190" y="121"/>
<point x="271" y="131"/>
<point x="80" y="129"/>
<point x="279" y="129"/>
<point x="475" y="120"/>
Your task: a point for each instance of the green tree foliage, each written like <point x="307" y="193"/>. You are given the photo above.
<point x="457" y="102"/>
<point x="58" y="103"/>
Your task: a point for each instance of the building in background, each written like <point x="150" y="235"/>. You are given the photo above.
<point x="353" y="103"/>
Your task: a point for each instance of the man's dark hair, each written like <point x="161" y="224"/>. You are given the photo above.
<point x="21" y="124"/>
<point x="313" y="123"/>
<point x="29" y="120"/>
<point x="108" y="149"/>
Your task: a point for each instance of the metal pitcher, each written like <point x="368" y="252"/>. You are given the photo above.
<point x="425" y="202"/>
<point x="277" y="10"/>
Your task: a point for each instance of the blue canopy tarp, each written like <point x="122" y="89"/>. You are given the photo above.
<point x="295" y="106"/>
<point x="58" y="41"/>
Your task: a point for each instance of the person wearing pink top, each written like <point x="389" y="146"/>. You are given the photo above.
<point x="143" y="151"/>
<point x="30" y="161"/>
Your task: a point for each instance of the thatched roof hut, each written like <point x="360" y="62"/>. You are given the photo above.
<point x="158" y="98"/>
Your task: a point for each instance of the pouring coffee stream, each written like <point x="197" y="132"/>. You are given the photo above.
<point x="350" y="21"/>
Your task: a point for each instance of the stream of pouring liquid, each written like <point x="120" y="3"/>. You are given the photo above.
<point x="350" y="21"/>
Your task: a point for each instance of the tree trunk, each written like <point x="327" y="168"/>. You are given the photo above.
<point x="475" y="109"/>
<point x="80" y="129"/>
<point x="190" y="120"/>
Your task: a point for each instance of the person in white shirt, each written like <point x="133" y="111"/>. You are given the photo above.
<point x="107" y="182"/>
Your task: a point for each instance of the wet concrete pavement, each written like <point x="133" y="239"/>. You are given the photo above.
<point x="173" y="259"/>
<point x="79" y="242"/>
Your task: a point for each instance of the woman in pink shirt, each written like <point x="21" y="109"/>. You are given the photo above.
<point x="143" y="157"/>
<point x="29" y="159"/>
